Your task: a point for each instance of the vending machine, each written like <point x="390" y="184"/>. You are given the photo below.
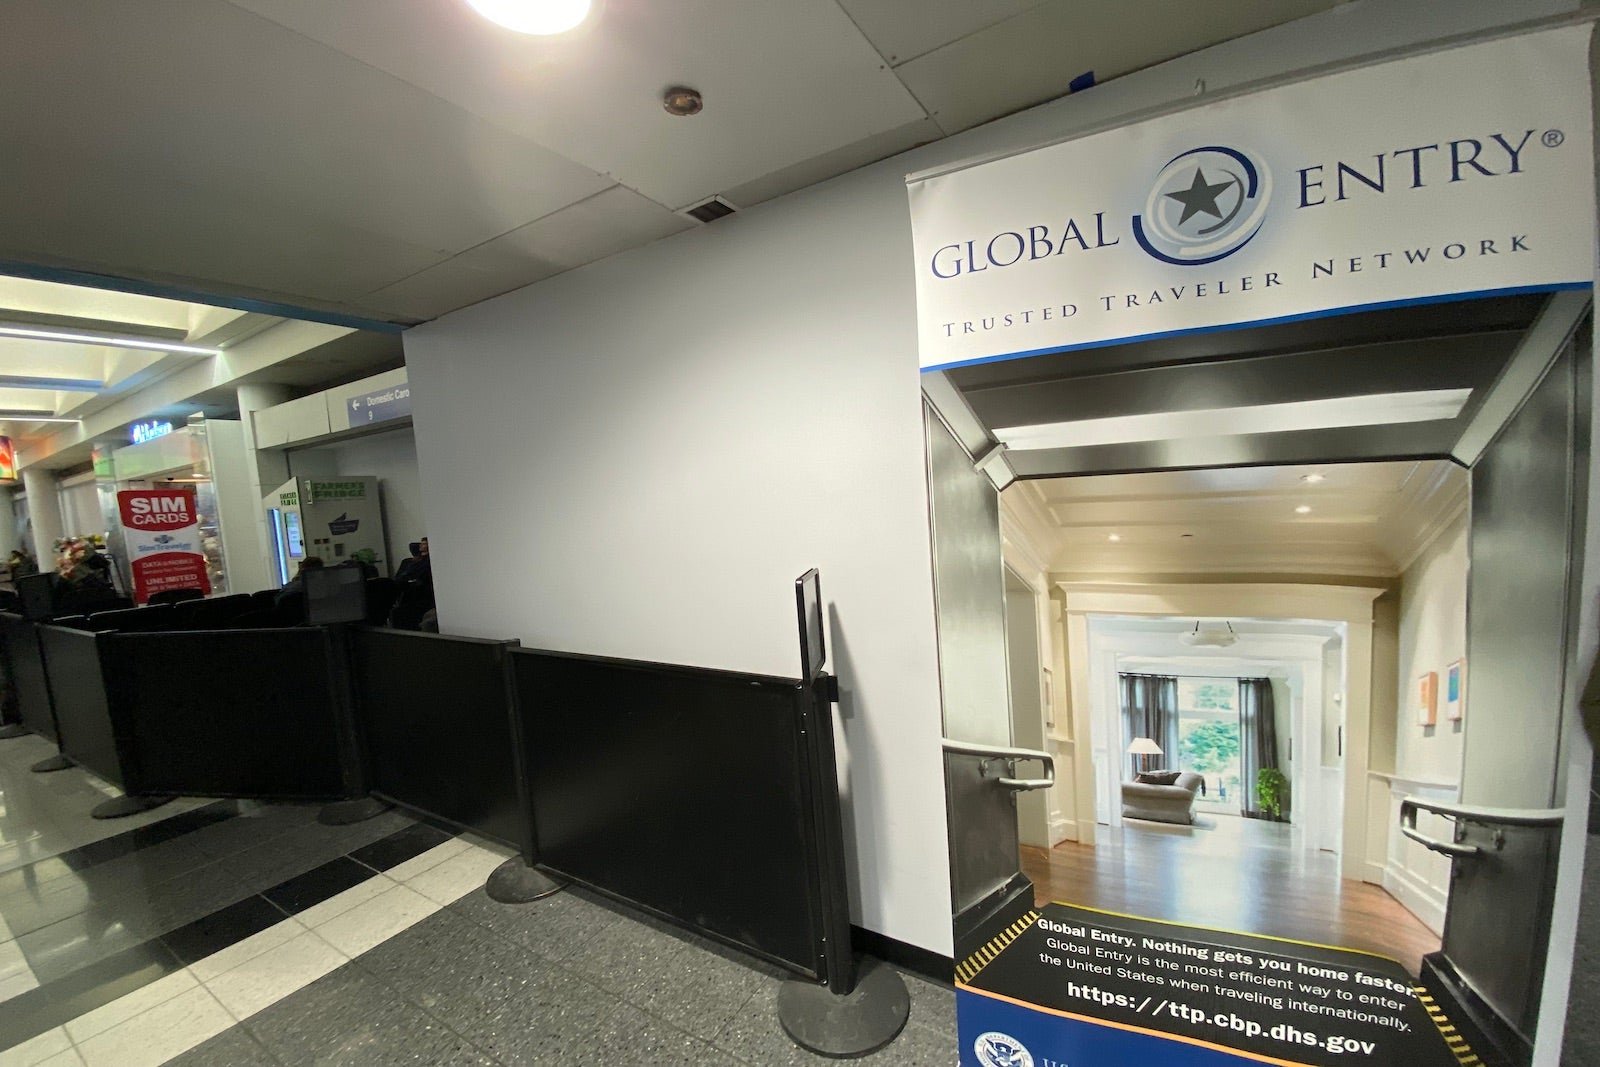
<point x="333" y="517"/>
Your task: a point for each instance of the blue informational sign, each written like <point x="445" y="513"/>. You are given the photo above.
<point x="1074" y="987"/>
<point x="381" y="406"/>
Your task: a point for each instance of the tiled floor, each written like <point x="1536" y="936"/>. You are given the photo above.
<point x="242" y="934"/>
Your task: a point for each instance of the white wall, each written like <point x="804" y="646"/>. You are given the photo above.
<point x="663" y="442"/>
<point x="1427" y="759"/>
<point x="668" y="437"/>
<point x="1433" y="634"/>
<point x="392" y="457"/>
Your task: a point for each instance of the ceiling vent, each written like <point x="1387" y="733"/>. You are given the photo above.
<point x="710" y="210"/>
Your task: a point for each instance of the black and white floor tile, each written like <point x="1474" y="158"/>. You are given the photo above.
<point x="231" y="934"/>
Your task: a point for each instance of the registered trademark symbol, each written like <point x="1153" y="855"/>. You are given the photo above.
<point x="1552" y="138"/>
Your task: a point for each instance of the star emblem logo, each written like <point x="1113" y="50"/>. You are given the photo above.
<point x="1200" y="196"/>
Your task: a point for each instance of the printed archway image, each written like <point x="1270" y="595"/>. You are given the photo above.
<point x="1228" y="460"/>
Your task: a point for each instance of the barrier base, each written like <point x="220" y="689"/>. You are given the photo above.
<point x="855" y="1024"/>
<point x="58" y="762"/>
<point x="345" y="812"/>
<point x="514" y="882"/>
<point x="13" y="730"/>
<point x="123" y="806"/>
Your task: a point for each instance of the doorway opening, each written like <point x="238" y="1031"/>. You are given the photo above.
<point x="1326" y="573"/>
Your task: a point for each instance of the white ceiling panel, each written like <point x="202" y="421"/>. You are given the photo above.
<point x="783" y="80"/>
<point x="602" y="225"/>
<point x="475" y="275"/>
<point x="904" y="29"/>
<point x="262" y="124"/>
<point x="831" y="164"/>
<point x="582" y="233"/>
<point x="1031" y="57"/>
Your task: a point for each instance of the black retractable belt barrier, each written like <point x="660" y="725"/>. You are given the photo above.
<point x="679" y="790"/>
<point x="88" y="735"/>
<point x="35" y="705"/>
<point x="435" y="717"/>
<point x="228" y="713"/>
<point x="11" y="725"/>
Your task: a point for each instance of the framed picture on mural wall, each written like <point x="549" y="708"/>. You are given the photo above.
<point x="1455" y="690"/>
<point x="1428" y="699"/>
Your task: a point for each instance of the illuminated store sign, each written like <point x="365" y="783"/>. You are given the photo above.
<point x="149" y="431"/>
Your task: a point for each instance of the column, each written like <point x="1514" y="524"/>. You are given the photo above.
<point x="8" y="526"/>
<point x="44" y="514"/>
<point x="269" y="468"/>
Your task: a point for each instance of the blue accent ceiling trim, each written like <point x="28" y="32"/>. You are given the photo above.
<point x="175" y="292"/>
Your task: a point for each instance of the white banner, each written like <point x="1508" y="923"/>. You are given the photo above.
<point x="1436" y="177"/>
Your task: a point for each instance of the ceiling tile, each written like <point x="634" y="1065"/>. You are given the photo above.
<point x="832" y="164"/>
<point x="472" y="276"/>
<point x="222" y="146"/>
<point x="902" y="30"/>
<point x="592" y="229"/>
<point x="1029" y="58"/>
<point x="784" y="80"/>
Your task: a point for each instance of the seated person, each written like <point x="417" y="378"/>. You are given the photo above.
<point x="296" y="587"/>
<point x="416" y="568"/>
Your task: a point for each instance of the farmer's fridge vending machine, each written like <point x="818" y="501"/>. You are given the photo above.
<point x="333" y="517"/>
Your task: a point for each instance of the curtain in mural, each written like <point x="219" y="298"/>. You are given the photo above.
<point x="1150" y="709"/>
<point x="1258" y="743"/>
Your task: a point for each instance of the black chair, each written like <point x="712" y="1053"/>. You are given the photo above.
<point x="411" y="605"/>
<point x="290" y="609"/>
<point x="9" y="600"/>
<point x="263" y="599"/>
<point x="216" y="613"/>
<point x="175" y="596"/>
<point x="381" y="595"/>
<point x="252" y="620"/>
<point x="133" y="620"/>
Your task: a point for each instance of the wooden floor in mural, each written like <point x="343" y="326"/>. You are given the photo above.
<point x="1229" y="873"/>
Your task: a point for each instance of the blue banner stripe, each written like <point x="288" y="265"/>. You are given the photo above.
<point x="1382" y="305"/>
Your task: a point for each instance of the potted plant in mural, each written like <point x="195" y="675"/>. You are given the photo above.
<point x="1270" y="787"/>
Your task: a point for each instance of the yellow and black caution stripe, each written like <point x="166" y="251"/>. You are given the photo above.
<point x="1447" y="1030"/>
<point x="980" y="959"/>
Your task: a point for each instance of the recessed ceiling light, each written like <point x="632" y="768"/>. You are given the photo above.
<point x="542" y="17"/>
<point x="1114" y="537"/>
<point x="1303" y="509"/>
<point x="1313" y="479"/>
<point x="1186" y="535"/>
<point x="1377" y="409"/>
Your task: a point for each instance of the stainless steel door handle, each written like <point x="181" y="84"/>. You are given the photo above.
<point x="993" y="755"/>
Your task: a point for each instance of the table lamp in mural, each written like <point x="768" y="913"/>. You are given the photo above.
<point x="1141" y="750"/>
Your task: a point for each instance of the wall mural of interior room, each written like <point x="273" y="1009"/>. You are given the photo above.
<point x="1257" y="453"/>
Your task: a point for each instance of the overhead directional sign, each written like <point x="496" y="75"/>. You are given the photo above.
<point x="386" y="404"/>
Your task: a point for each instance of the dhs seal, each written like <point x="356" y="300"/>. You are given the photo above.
<point x="1204" y="205"/>
<point x="995" y="1049"/>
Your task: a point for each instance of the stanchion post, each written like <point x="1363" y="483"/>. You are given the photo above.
<point x="855" y="1010"/>
<point x="517" y="880"/>
<point x="359" y="804"/>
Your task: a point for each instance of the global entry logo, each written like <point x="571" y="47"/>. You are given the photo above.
<point x="1204" y="205"/>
